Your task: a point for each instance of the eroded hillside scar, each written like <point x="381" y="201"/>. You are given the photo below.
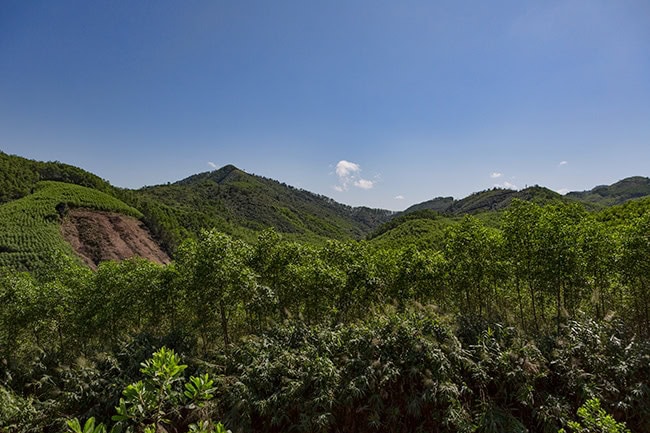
<point x="98" y="236"/>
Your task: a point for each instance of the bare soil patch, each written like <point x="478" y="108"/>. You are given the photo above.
<point x="97" y="236"/>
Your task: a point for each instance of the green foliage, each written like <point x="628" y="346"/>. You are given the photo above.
<point x="218" y="278"/>
<point x="157" y="400"/>
<point x="208" y="427"/>
<point x="149" y="401"/>
<point x="16" y="411"/>
<point x="395" y="372"/>
<point x="489" y="200"/>
<point x="18" y="176"/>
<point x="89" y="427"/>
<point x="621" y="215"/>
<point x="422" y="229"/>
<point x="594" y="419"/>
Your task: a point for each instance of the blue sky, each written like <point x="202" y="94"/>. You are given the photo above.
<point x="377" y="103"/>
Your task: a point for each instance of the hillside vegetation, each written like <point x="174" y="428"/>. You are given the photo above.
<point x="521" y="328"/>
<point x="504" y="313"/>
<point x="494" y="199"/>
<point x="18" y="176"/>
<point x="242" y="204"/>
<point x="617" y="193"/>
<point x="30" y="234"/>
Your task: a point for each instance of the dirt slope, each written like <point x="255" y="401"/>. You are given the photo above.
<point x="98" y="236"/>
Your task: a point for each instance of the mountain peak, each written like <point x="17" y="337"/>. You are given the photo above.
<point x="220" y="175"/>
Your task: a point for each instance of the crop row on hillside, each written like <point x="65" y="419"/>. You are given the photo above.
<point x="30" y="227"/>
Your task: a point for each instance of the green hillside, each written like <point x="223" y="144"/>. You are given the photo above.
<point x="616" y="193"/>
<point x="242" y="204"/>
<point x="621" y="214"/>
<point x="18" y="176"/>
<point x="422" y="229"/>
<point x="438" y="204"/>
<point x="487" y="200"/>
<point x="423" y="225"/>
<point x="30" y="227"/>
<point x="228" y="199"/>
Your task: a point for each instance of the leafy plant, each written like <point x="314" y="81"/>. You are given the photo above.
<point x="158" y="399"/>
<point x="594" y="419"/>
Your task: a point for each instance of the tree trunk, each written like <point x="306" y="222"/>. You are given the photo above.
<point x="224" y="324"/>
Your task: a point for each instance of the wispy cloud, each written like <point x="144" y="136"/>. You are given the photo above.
<point x="562" y="191"/>
<point x="563" y="163"/>
<point x="349" y="174"/>
<point x="399" y="197"/>
<point x="495" y="175"/>
<point x="212" y="164"/>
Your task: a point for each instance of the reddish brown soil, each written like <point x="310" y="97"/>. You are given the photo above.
<point x="98" y="236"/>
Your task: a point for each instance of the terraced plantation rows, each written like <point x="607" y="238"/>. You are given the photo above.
<point x="29" y="227"/>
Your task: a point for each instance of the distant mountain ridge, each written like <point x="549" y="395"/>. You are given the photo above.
<point x="242" y="204"/>
<point x="485" y="201"/>
<point x="423" y="224"/>
<point x="499" y="198"/>
<point x="617" y="193"/>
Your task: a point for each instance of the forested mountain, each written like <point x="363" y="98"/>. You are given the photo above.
<point x="424" y="224"/>
<point x="484" y="201"/>
<point x="242" y="204"/>
<point x="616" y="193"/>
<point x="499" y="198"/>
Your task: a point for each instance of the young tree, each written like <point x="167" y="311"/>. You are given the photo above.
<point x="635" y="269"/>
<point x="471" y="252"/>
<point x="217" y="278"/>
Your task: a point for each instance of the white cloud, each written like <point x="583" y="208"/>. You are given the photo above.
<point x="212" y="164"/>
<point x="563" y="163"/>
<point x="346" y="168"/>
<point x="349" y="174"/>
<point x="495" y="174"/>
<point x="399" y="197"/>
<point x="562" y="191"/>
<point x="364" y="183"/>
